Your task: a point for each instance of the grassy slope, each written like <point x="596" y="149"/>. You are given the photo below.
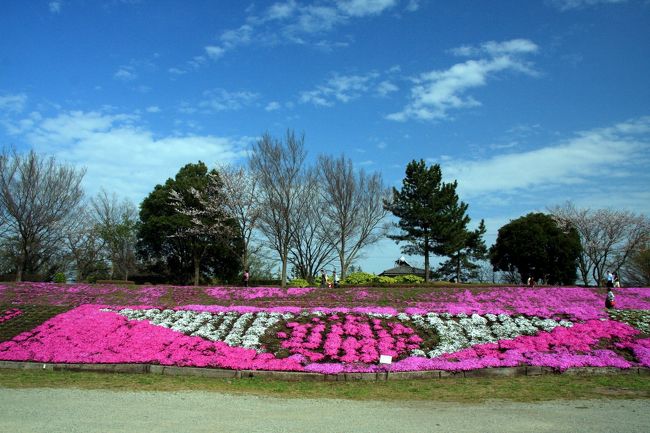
<point x="537" y="388"/>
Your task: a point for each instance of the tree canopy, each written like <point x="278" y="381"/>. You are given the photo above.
<point x="432" y="219"/>
<point x="535" y="246"/>
<point x="168" y="241"/>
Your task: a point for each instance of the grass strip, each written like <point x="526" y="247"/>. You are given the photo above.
<point x="30" y="318"/>
<point x="464" y="390"/>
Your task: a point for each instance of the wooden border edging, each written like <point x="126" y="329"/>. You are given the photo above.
<point x="296" y="376"/>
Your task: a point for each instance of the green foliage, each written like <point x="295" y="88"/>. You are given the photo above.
<point x="535" y="246"/>
<point x="432" y="219"/>
<point x="298" y="282"/>
<point x="59" y="277"/>
<point x="359" y="279"/>
<point x="174" y="256"/>
<point x="384" y="280"/>
<point x="409" y="279"/>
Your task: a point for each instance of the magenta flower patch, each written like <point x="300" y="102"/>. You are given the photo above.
<point x="9" y="314"/>
<point x="325" y="341"/>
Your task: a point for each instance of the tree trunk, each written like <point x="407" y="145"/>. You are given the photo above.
<point x="426" y="258"/>
<point x="344" y="270"/>
<point x="283" y="280"/>
<point x="197" y="269"/>
<point x="458" y="267"/>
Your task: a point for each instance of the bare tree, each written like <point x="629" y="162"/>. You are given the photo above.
<point x="352" y="205"/>
<point x="278" y="167"/>
<point x="240" y="190"/>
<point x="117" y="225"/>
<point x="209" y="218"/>
<point x="608" y="238"/>
<point x="636" y="271"/>
<point x="39" y="198"/>
<point x="310" y="249"/>
<point x="87" y="249"/>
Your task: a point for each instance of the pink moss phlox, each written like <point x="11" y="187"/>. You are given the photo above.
<point x="10" y="314"/>
<point x="88" y="335"/>
<point x="578" y="303"/>
<point x="249" y="293"/>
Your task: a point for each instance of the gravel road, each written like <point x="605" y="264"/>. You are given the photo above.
<point x="89" y="411"/>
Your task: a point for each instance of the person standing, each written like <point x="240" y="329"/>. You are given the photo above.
<point x="323" y="278"/>
<point x="609" y="300"/>
<point x="617" y="282"/>
<point x="610" y="279"/>
<point x="335" y="278"/>
<point x="246" y="277"/>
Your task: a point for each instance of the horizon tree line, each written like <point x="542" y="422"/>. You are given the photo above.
<point x="209" y="225"/>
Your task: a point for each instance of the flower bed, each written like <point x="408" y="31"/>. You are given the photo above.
<point x="309" y="330"/>
<point x="9" y="314"/>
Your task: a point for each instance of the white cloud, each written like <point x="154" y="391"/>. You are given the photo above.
<point x="341" y="88"/>
<point x="294" y="22"/>
<point x="413" y="5"/>
<point x="236" y="37"/>
<point x="223" y="100"/>
<point x="437" y="92"/>
<point x="121" y="155"/>
<point x="153" y="109"/>
<point x="281" y="11"/>
<point x="272" y="106"/>
<point x="125" y="73"/>
<point x="493" y="48"/>
<point x="360" y="8"/>
<point x="214" y="52"/>
<point x="386" y="87"/>
<point x="177" y="71"/>
<point x="13" y="103"/>
<point x="604" y="153"/>
<point x="55" y="7"/>
<point x="565" y="5"/>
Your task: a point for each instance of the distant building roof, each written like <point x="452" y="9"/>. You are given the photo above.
<point x="402" y="268"/>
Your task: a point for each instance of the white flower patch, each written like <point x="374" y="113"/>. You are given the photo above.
<point x="263" y="321"/>
<point x="462" y="331"/>
<point x="455" y="332"/>
<point x="232" y="328"/>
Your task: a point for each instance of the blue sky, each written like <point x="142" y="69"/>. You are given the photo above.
<point x="526" y="103"/>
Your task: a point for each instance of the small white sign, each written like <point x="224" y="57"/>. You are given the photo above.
<point x="385" y="359"/>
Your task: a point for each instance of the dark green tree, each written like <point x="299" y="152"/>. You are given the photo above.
<point x="463" y="256"/>
<point x="168" y="243"/>
<point x="432" y="219"/>
<point x="535" y="246"/>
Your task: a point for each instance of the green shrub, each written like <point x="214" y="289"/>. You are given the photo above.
<point x="298" y="282"/>
<point x="359" y="279"/>
<point x="384" y="280"/>
<point x="409" y="279"/>
<point x="59" y="277"/>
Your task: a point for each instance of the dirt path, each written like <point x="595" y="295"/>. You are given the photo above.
<point x="70" y="410"/>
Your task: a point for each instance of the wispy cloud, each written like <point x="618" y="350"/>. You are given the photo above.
<point x="138" y="159"/>
<point x="438" y="92"/>
<point x="224" y="100"/>
<point x="272" y="106"/>
<point x="13" y="102"/>
<point x="55" y="7"/>
<point x="293" y="22"/>
<point x="360" y="8"/>
<point x="125" y="73"/>
<point x="386" y="87"/>
<point x="339" y="88"/>
<point x="214" y="52"/>
<point x="565" y="5"/>
<point x="602" y="153"/>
